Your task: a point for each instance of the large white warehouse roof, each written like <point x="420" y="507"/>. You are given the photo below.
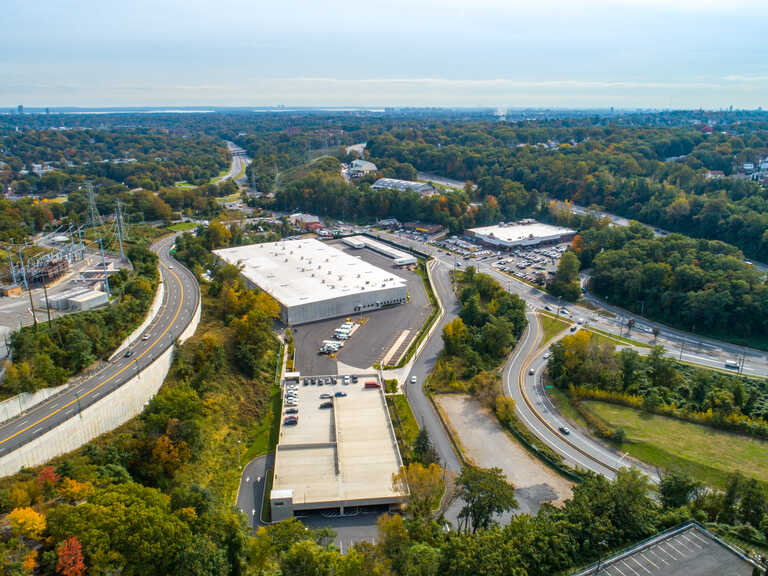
<point x="522" y="233"/>
<point x="297" y="272"/>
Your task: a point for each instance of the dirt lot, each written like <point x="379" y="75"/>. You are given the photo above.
<point x="486" y="444"/>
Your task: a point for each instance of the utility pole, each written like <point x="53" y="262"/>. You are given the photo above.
<point x="29" y="292"/>
<point x="47" y="306"/>
<point x="10" y="260"/>
<point x="104" y="266"/>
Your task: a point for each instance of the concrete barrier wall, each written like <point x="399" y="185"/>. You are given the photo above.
<point x="15" y="405"/>
<point x="104" y="415"/>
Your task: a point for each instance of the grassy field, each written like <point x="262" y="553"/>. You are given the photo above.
<point x="707" y="454"/>
<point x="234" y="197"/>
<point x="182" y="226"/>
<point x="609" y="338"/>
<point x="552" y="326"/>
<point x="406" y="427"/>
<point x="266" y="431"/>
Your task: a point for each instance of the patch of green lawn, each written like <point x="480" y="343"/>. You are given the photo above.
<point x="552" y="326"/>
<point x="268" y="429"/>
<point x="182" y="226"/>
<point x="406" y="427"/>
<point x="706" y="453"/>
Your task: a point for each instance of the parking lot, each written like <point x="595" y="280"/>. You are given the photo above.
<point x="336" y="444"/>
<point x="689" y="551"/>
<point x="381" y="332"/>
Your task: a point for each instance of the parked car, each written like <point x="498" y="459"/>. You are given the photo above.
<point x="326" y="396"/>
<point x="128" y="354"/>
<point x="354" y="379"/>
<point x="326" y="405"/>
<point x="340" y="394"/>
<point x="372" y="384"/>
<point x="145" y="337"/>
<point x="291" y="421"/>
<point x="292" y="411"/>
<point x="413" y="379"/>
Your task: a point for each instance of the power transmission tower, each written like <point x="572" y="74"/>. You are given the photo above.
<point x="119" y="220"/>
<point x="93" y="209"/>
<point x="104" y="266"/>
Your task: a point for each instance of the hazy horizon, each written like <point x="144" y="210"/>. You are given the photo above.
<point x="486" y="53"/>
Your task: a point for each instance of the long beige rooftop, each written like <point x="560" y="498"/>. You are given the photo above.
<point x="346" y="454"/>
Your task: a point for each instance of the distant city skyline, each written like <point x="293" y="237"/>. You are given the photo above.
<point x="462" y="53"/>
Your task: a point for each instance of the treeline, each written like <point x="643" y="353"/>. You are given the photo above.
<point x="699" y="285"/>
<point x="47" y="355"/>
<point x="588" y="367"/>
<point x="142" y="499"/>
<point x="139" y="157"/>
<point x="327" y="194"/>
<point x="656" y="174"/>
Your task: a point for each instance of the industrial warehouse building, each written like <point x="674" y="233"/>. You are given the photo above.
<point x="402" y="185"/>
<point x="523" y="233"/>
<point x="313" y="281"/>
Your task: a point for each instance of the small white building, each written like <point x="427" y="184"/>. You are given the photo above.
<point x="359" y="168"/>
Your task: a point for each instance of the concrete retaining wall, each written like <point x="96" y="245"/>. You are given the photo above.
<point x="104" y="415"/>
<point x="15" y="405"/>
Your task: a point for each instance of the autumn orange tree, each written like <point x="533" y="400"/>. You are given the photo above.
<point x="69" y="558"/>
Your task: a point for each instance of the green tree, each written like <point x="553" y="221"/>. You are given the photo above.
<point x="485" y="493"/>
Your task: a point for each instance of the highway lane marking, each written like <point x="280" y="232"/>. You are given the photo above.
<point x="92" y="390"/>
<point x="521" y="385"/>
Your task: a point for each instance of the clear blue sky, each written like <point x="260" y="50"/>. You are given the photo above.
<point x="623" y="53"/>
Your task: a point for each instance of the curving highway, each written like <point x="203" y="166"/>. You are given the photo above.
<point x="177" y="310"/>
<point x="539" y="414"/>
<point x="533" y="404"/>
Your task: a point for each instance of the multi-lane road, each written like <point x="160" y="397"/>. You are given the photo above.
<point x="533" y="404"/>
<point x="176" y="312"/>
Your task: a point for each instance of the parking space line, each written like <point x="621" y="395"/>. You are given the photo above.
<point x="657" y="556"/>
<point x="646" y="559"/>
<point x="698" y="537"/>
<point x="676" y="549"/>
<point x="667" y="552"/>
<point x="617" y="568"/>
<point x="691" y="541"/>
<point x="628" y="567"/>
<point x="638" y="563"/>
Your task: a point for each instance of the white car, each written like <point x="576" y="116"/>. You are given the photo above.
<point x="413" y="379"/>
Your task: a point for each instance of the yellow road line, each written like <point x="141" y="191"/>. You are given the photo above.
<point x="116" y="374"/>
<point x="521" y="385"/>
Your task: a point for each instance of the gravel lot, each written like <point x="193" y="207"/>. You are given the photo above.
<point x="486" y="443"/>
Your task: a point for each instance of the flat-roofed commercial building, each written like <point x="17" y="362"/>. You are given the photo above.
<point x="402" y="185"/>
<point x="313" y="281"/>
<point x="340" y="456"/>
<point x="523" y="233"/>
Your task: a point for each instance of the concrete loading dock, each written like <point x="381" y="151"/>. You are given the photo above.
<point x="337" y="457"/>
<point x="313" y="281"/>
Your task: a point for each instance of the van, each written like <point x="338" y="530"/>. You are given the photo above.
<point x="731" y="365"/>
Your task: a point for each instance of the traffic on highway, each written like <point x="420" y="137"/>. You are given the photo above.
<point x="180" y="302"/>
